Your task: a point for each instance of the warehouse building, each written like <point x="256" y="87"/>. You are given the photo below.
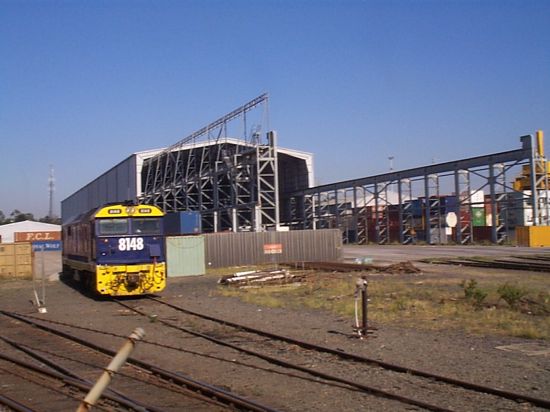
<point x="236" y="185"/>
<point x="29" y="231"/>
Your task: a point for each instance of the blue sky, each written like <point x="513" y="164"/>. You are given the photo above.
<point x="83" y="84"/>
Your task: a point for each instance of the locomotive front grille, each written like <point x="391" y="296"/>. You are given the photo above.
<point x="126" y="280"/>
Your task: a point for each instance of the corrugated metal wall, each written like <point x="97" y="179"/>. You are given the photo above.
<point x="116" y="185"/>
<point x="247" y="248"/>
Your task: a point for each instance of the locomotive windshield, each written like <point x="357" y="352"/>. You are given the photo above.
<point x="107" y="227"/>
<point x="147" y="226"/>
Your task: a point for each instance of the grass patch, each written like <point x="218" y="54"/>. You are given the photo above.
<point x="475" y="305"/>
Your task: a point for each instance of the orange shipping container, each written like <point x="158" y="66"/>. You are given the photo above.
<point x="36" y="236"/>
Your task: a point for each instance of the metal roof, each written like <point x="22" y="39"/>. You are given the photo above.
<point x="7" y="231"/>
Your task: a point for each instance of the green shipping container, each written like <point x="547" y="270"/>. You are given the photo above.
<point x="185" y="255"/>
<point x="478" y="216"/>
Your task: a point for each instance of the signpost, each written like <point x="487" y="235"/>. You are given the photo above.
<point x="273" y="249"/>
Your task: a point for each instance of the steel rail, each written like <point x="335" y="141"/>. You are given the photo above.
<point x="138" y="406"/>
<point x="83" y="386"/>
<point x="338" y="266"/>
<point x="545" y="403"/>
<point x="209" y="391"/>
<point x="13" y="404"/>
<point x="491" y="264"/>
<point x="365" y="388"/>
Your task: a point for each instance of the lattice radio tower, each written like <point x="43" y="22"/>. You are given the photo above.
<point x="51" y="187"/>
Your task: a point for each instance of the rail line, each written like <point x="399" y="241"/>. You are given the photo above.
<point x="204" y="391"/>
<point x="535" y="263"/>
<point x="14" y="405"/>
<point x="515" y="397"/>
<point x="81" y="386"/>
<point x="277" y="361"/>
<point x="540" y="402"/>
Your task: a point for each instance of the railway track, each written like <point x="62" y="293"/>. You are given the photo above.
<point x="139" y="386"/>
<point x="322" y="365"/>
<point x="531" y="263"/>
<point x="332" y="356"/>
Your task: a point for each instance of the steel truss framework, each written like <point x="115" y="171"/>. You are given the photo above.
<point x="233" y="183"/>
<point x="361" y="208"/>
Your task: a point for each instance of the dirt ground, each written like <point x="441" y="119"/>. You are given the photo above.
<point x="508" y="363"/>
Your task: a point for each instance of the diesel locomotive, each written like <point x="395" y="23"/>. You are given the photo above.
<point x="116" y="250"/>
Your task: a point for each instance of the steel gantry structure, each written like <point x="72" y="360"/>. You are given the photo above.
<point x="232" y="182"/>
<point x="368" y="209"/>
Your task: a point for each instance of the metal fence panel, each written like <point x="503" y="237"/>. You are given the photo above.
<point x="185" y="255"/>
<point x="247" y="248"/>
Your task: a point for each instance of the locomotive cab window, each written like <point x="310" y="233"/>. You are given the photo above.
<point x="147" y="226"/>
<point x="108" y="227"/>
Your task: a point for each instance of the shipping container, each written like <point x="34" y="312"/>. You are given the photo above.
<point x="23" y="249"/>
<point x="23" y="270"/>
<point x="16" y="259"/>
<point x="182" y="223"/>
<point x="478" y="216"/>
<point x="449" y="204"/>
<point x="7" y="249"/>
<point x="8" y="270"/>
<point x="533" y="236"/>
<point x="23" y="259"/>
<point x="479" y="233"/>
<point x="7" y="260"/>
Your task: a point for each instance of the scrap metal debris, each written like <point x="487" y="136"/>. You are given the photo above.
<point x="396" y="268"/>
<point x="260" y="277"/>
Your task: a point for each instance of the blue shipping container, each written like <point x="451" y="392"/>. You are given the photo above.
<point x="417" y="206"/>
<point x="450" y="204"/>
<point x="182" y="223"/>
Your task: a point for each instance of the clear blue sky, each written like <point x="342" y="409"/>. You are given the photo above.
<point x="83" y="84"/>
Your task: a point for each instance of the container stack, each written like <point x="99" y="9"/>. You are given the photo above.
<point x="16" y="260"/>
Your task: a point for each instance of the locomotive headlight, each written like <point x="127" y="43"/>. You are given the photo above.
<point x="130" y="210"/>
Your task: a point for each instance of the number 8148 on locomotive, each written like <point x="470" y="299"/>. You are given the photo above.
<point x="116" y="250"/>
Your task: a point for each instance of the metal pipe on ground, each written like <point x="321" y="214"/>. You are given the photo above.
<point x="113" y="367"/>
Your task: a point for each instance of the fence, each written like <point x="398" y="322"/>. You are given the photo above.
<point x="249" y="248"/>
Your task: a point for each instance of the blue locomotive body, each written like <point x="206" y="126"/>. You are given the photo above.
<point x="117" y="250"/>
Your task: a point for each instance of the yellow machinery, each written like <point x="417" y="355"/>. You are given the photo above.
<point x="542" y="169"/>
